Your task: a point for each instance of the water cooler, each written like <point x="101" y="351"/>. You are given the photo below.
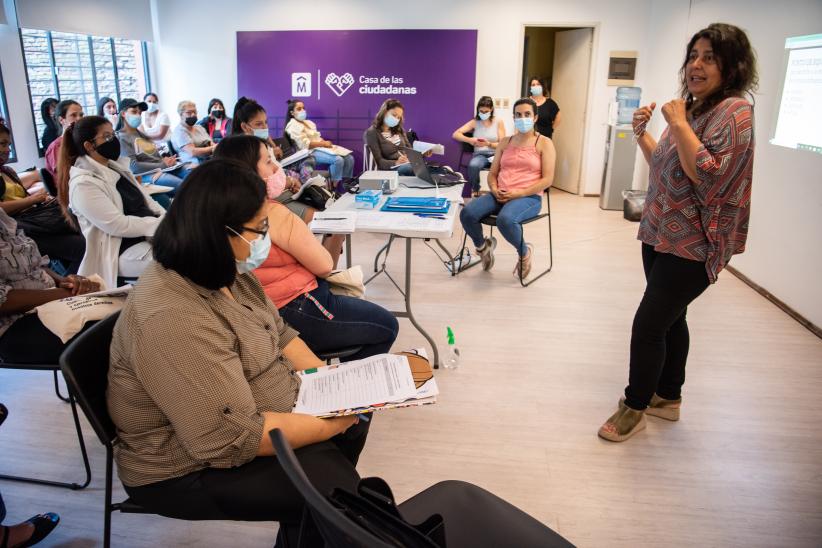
<point x="620" y="150"/>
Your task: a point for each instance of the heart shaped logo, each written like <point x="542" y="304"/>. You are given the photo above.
<point x="339" y="84"/>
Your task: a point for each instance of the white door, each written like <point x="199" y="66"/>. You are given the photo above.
<point x="572" y="58"/>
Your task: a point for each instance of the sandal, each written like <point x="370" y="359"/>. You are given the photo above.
<point x="662" y="408"/>
<point x="623" y="424"/>
<point x="43" y="525"/>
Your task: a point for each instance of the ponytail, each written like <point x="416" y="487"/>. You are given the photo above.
<point x="71" y="148"/>
<point x="244" y="110"/>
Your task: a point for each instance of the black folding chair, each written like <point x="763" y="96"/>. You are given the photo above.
<point x="68" y="485"/>
<point x="85" y="367"/>
<point x="491" y="221"/>
<point x="473" y="516"/>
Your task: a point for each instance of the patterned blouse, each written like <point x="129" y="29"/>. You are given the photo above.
<point x="704" y="220"/>
<point x="21" y="265"/>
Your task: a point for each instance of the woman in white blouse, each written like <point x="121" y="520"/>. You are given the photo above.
<point x="303" y="133"/>
<point x="115" y="213"/>
<point x="156" y="123"/>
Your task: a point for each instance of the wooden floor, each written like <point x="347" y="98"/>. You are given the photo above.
<point x="542" y="367"/>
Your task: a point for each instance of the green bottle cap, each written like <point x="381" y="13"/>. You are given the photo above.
<point x="450" y="335"/>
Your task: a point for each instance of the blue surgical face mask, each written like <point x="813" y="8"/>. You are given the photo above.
<point x="133" y="120"/>
<point x="153" y="107"/>
<point x="259" y="253"/>
<point x="536" y="91"/>
<point x="391" y="120"/>
<point x="301" y="115"/>
<point x="484" y="116"/>
<point x="261" y="133"/>
<point x="524" y="125"/>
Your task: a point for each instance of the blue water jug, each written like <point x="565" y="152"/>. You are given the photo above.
<point x="628" y="100"/>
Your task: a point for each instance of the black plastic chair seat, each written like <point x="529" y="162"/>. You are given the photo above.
<point x="491" y="220"/>
<point x="339" y="354"/>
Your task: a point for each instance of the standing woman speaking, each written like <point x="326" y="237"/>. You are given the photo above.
<point x="695" y="218"/>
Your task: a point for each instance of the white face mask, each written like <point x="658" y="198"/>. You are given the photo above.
<point x="260" y="248"/>
<point x="112" y="118"/>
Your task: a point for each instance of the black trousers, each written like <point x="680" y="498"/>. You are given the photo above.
<point x="67" y="248"/>
<point x="260" y="489"/>
<point x="659" y="337"/>
<point x="29" y="341"/>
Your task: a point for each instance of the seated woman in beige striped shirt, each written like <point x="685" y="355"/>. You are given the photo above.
<point x="203" y="367"/>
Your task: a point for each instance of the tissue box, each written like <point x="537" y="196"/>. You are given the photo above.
<point x="367" y="199"/>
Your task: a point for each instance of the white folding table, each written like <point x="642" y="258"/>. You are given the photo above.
<point x="402" y="225"/>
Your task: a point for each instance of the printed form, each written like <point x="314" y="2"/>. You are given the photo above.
<point x="372" y="381"/>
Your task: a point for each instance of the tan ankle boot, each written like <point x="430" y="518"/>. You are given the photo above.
<point x="623" y="424"/>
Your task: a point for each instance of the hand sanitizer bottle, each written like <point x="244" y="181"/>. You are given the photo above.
<point x="452" y="359"/>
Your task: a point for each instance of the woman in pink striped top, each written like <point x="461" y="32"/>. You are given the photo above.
<point x="695" y="218"/>
<point x="522" y="169"/>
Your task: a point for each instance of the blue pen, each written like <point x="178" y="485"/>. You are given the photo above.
<point x="430" y="215"/>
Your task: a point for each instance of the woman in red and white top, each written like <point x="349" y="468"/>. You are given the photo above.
<point x="695" y="218"/>
<point x="522" y="169"/>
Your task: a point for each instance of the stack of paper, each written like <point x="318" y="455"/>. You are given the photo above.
<point x="334" y="222"/>
<point x="422" y="147"/>
<point x="385" y="381"/>
<point x="296" y="157"/>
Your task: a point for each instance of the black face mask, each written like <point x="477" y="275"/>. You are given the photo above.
<point x="109" y="150"/>
<point x="191" y="120"/>
<point x="217" y="113"/>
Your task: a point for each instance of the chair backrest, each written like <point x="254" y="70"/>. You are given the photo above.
<point x="85" y="366"/>
<point x="368" y="163"/>
<point x="467" y="147"/>
<point x="48" y="180"/>
<point x="337" y="529"/>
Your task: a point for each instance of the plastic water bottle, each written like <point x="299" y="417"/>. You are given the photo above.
<point x="628" y="100"/>
<point x="452" y="359"/>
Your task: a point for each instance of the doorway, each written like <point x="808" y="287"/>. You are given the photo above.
<point x="562" y="57"/>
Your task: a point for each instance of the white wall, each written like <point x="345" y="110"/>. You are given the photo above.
<point x="198" y="46"/>
<point x="784" y="253"/>
<point x="17" y="94"/>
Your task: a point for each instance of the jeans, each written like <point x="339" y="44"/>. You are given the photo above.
<point x="338" y="166"/>
<point x="478" y="162"/>
<point x="170" y="179"/>
<point x="659" y="337"/>
<point x="509" y="217"/>
<point x="405" y="170"/>
<point x="356" y="322"/>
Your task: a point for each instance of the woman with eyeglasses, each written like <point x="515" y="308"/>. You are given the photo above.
<point x="203" y="368"/>
<point x="115" y="213"/>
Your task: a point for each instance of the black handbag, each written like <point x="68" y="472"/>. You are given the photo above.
<point x="373" y="508"/>
<point x="317" y="197"/>
<point x="45" y="219"/>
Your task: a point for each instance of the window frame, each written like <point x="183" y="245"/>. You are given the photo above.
<point x="4" y="110"/>
<point x="95" y="81"/>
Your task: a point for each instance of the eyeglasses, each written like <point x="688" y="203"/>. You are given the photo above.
<point x="106" y="138"/>
<point x="262" y="232"/>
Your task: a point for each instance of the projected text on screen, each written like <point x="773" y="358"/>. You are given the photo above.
<point x="799" y="122"/>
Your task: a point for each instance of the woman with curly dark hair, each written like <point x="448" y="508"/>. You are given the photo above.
<point x="695" y="218"/>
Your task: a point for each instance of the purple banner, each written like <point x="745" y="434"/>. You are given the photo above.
<point x="344" y="76"/>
